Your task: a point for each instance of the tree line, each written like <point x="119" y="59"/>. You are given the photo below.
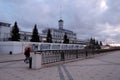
<point x="15" y="35"/>
<point x="94" y="44"/>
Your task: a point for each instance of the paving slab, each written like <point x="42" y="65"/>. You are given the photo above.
<point x="105" y="67"/>
<point x="13" y="57"/>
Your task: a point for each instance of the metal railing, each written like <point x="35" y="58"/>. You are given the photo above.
<point x="52" y="56"/>
<point x="42" y="57"/>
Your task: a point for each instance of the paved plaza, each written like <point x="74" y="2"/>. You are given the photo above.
<point x="102" y="67"/>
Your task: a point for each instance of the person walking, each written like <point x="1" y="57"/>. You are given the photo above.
<point x="27" y="55"/>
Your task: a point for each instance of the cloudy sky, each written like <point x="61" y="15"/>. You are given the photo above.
<point x="88" y="18"/>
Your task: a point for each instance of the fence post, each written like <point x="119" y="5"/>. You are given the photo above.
<point x="77" y="53"/>
<point x="62" y="56"/>
<point x="36" y="60"/>
<point x="86" y="53"/>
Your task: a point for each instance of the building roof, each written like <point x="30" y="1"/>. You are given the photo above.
<point x="66" y="30"/>
<point x="60" y="20"/>
<point x="62" y="30"/>
<point x="5" y="24"/>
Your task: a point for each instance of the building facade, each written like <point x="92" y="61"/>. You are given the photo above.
<point x="58" y="34"/>
<point x="26" y="36"/>
<point x="4" y="31"/>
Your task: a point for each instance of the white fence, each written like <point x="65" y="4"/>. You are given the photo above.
<point x="58" y="46"/>
<point x="18" y="47"/>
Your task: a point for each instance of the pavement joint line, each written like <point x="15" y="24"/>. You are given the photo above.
<point x="11" y="61"/>
<point x="6" y="65"/>
<point x="108" y="62"/>
<point x="62" y="77"/>
<point x="67" y="73"/>
<point x="91" y="65"/>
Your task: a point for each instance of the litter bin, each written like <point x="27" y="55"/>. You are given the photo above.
<point x="10" y="52"/>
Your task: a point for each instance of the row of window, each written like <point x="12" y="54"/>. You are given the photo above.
<point x="61" y="35"/>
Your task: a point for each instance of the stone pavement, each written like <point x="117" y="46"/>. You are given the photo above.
<point x="10" y="58"/>
<point x="105" y="67"/>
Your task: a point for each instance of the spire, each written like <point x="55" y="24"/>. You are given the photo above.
<point x="60" y="11"/>
<point x="60" y="22"/>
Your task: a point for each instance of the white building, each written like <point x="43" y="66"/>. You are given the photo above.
<point x="58" y="34"/>
<point x="26" y="36"/>
<point x="4" y="31"/>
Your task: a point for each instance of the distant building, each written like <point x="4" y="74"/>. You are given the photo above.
<point x="26" y="36"/>
<point x="58" y="34"/>
<point x="4" y="31"/>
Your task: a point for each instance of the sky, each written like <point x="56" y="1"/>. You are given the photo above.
<point x="99" y="19"/>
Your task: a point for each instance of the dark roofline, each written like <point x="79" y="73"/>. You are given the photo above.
<point x="5" y="24"/>
<point x="64" y="30"/>
<point x="60" y="20"/>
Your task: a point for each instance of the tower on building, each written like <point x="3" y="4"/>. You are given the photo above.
<point x="60" y="23"/>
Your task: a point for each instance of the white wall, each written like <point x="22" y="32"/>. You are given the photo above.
<point x="15" y="47"/>
<point x="18" y="47"/>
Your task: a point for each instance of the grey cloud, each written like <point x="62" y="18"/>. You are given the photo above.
<point x="81" y="16"/>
